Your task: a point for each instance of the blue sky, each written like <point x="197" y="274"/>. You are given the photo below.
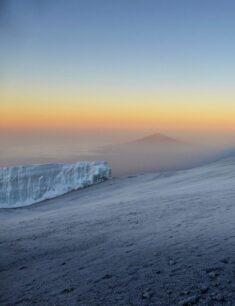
<point x="121" y="43"/>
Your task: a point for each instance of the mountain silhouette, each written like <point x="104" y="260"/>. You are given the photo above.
<point x="156" y="139"/>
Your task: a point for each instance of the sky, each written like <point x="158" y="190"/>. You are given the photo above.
<point x="126" y="64"/>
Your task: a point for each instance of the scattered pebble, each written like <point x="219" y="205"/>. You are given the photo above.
<point x="171" y="262"/>
<point x="107" y="276"/>
<point x="169" y="291"/>
<point x="212" y="275"/>
<point x="217" y="283"/>
<point x="185" y="292"/>
<point x="67" y="290"/>
<point x="204" y="288"/>
<point x="217" y="297"/>
<point x="191" y="300"/>
<point x="225" y="260"/>
<point x="147" y="294"/>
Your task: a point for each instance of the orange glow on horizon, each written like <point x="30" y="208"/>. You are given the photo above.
<point x="107" y="109"/>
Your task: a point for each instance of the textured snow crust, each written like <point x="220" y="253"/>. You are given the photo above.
<point x="25" y="185"/>
<point x="156" y="239"/>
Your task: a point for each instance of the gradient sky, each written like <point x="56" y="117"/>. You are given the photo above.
<point x="117" y="64"/>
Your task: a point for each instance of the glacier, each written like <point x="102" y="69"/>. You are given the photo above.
<point x="29" y="184"/>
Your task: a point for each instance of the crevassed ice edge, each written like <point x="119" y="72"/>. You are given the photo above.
<point x="28" y="184"/>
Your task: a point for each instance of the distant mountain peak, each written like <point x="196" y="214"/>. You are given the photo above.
<point x="151" y="142"/>
<point x="157" y="138"/>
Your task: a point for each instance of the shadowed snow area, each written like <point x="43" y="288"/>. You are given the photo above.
<point x="153" y="239"/>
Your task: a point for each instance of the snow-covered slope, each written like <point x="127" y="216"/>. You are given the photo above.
<point x="148" y="240"/>
<point x="25" y="185"/>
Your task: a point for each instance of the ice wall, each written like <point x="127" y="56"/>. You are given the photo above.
<point x="25" y="185"/>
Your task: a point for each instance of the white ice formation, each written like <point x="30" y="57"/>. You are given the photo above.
<point x="25" y="185"/>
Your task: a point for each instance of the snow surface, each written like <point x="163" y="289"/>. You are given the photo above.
<point x="25" y="185"/>
<point x="159" y="239"/>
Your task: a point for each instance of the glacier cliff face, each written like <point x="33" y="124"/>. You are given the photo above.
<point x="25" y="185"/>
